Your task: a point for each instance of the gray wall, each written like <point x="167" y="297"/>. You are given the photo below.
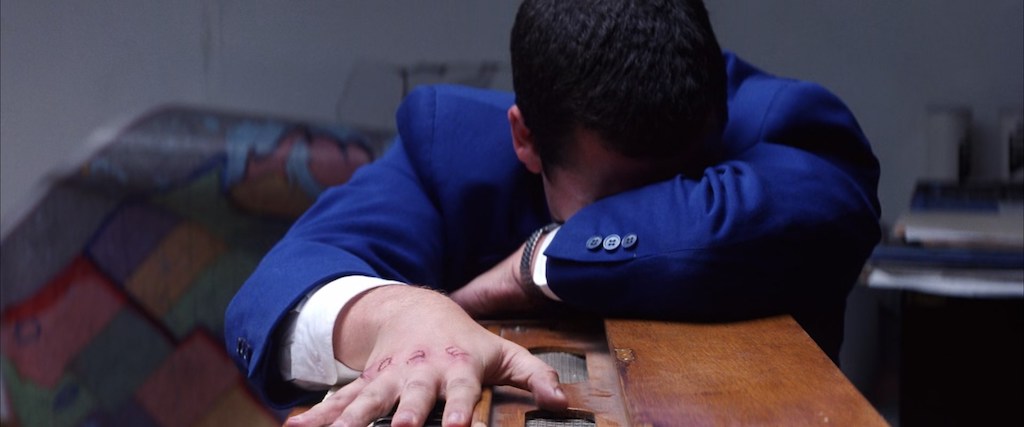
<point x="890" y="60"/>
<point x="70" y="68"/>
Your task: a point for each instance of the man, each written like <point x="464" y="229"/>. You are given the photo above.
<point x="684" y="184"/>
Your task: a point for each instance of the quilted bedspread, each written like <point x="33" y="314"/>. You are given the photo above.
<point x="115" y="284"/>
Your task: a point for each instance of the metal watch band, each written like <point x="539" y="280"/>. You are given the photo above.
<point x="525" y="263"/>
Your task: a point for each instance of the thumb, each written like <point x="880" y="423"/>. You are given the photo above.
<point x="526" y="371"/>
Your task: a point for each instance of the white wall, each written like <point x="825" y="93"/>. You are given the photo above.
<point x="67" y="68"/>
<point x="890" y="60"/>
<point x="70" y="67"/>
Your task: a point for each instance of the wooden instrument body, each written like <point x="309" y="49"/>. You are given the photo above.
<point x="648" y="373"/>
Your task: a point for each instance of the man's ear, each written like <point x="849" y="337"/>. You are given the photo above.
<point x="522" y="141"/>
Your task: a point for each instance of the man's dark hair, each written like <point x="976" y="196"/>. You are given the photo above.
<point x="647" y="75"/>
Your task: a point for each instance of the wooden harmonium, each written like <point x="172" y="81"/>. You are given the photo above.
<point x="587" y="369"/>
<point x="626" y="373"/>
<point x="650" y="373"/>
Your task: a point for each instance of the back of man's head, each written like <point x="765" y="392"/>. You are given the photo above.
<point x="646" y="75"/>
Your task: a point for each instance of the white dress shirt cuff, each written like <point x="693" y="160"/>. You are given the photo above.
<point x="540" y="265"/>
<point x="307" y="354"/>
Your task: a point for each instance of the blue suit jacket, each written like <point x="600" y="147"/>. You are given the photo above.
<point x="782" y="222"/>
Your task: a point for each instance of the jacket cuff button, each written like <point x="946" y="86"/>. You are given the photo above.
<point x="612" y="242"/>
<point x="629" y="241"/>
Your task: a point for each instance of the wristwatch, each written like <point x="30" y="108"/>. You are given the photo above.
<point x="526" y="262"/>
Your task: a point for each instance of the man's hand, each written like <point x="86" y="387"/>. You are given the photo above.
<point x="498" y="291"/>
<point x="417" y="346"/>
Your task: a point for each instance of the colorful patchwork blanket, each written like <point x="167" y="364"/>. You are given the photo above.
<point x="115" y="284"/>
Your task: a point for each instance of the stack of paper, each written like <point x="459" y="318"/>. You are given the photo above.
<point x="1003" y="228"/>
<point x="957" y="240"/>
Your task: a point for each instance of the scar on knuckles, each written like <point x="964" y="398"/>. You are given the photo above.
<point x="456" y="352"/>
<point x="417" y="357"/>
<point x="384" y="364"/>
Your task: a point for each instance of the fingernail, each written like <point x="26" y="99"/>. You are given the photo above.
<point x="559" y="393"/>
<point x="456" y="418"/>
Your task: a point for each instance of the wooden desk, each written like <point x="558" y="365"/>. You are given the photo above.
<point x="644" y="373"/>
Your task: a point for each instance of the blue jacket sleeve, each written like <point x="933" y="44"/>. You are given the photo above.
<point x="782" y="225"/>
<point x="330" y="241"/>
<point x="406" y="217"/>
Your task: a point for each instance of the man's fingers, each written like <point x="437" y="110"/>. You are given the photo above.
<point x="373" y="401"/>
<point x="527" y="372"/>
<point x="320" y="415"/>
<point x="547" y="391"/>
<point x="324" y="413"/>
<point x="417" y="400"/>
<point x="462" y="391"/>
